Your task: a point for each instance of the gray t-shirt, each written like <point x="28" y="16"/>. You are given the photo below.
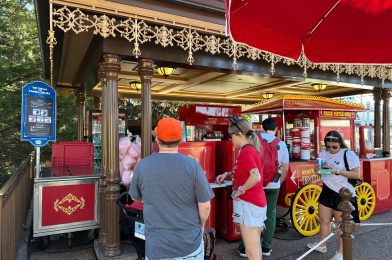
<point x="171" y="185"/>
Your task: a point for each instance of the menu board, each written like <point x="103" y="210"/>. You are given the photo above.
<point x="38" y="113"/>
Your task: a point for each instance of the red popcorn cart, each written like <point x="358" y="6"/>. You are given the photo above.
<point x="66" y="194"/>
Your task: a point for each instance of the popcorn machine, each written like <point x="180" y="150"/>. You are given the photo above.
<point x="207" y="125"/>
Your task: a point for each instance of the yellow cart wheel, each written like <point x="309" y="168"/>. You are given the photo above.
<point x="304" y="210"/>
<point x="366" y="199"/>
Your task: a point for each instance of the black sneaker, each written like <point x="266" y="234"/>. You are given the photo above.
<point x="267" y="252"/>
<point x="241" y="252"/>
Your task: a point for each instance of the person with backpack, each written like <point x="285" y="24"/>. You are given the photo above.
<point x="275" y="158"/>
<point x="249" y="202"/>
<point x="344" y="168"/>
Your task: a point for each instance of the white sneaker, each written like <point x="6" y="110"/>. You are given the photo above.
<point x="337" y="256"/>
<point x="321" y="249"/>
<point x="266" y="253"/>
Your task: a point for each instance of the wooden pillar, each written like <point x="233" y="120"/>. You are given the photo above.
<point x="111" y="68"/>
<point x="104" y="156"/>
<point x="97" y="101"/>
<point x="386" y="95"/>
<point x="347" y="226"/>
<point x="377" y="117"/>
<point x="146" y="71"/>
<point x="80" y="98"/>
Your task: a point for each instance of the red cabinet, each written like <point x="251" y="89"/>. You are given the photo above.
<point x="203" y="153"/>
<point x="225" y="227"/>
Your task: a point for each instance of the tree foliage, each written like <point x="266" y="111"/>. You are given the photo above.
<point x="19" y="64"/>
<point x="160" y="109"/>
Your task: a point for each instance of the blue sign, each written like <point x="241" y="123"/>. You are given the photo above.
<point x="38" y="113"/>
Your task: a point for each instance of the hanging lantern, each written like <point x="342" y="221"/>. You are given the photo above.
<point x="319" y="87"/>
<point x="267" y="95"/>
<point x="136" y="85"/>
<point x="165" y="71"/>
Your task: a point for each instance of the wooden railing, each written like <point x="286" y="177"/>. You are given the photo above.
<point x="15" y="197"/>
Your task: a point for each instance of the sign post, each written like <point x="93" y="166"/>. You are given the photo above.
<point x="38" y="120"/>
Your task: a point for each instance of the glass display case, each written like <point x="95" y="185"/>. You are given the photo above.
<point x="94" y="131"/>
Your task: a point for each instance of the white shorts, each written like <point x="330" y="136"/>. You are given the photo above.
<point x="248" y="214"/>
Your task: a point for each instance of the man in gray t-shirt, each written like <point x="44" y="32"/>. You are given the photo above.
<point x="176" y="197"/>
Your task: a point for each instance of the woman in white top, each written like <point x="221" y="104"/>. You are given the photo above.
<point x="335" y="151"/>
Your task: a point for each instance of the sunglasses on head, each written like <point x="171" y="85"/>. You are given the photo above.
<point x="333" y="147"/>
<point x="234" y="120"/>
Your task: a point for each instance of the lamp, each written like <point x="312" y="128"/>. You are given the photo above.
<point x="319" y="87"/>
<point x="267" y="95"/>
<point x="136" y="85"/>
<point x="165" y="71"/>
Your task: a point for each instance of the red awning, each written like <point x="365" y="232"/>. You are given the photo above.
<point x="328" y="31"/>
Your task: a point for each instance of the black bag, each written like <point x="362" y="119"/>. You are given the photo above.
<point x="209" y="238"/>
<point x="354" y="182"/>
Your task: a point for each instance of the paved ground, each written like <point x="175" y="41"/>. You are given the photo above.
<point x="374" y="242"/>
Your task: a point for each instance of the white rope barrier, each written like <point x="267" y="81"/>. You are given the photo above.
<point x="313" y="248"/>
<point x="374" y="224"/>
<point x="334" y="232"/>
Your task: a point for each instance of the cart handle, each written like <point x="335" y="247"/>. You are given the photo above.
<point x="119" y="199"/>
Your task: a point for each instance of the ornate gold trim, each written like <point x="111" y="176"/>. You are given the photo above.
<point x="138" y="32"/>
<point x="304" y="97"/>
<point x="51" y="41"/>
<point x="59" y="205"/>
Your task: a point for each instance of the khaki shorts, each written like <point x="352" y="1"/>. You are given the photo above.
<point x="248" y="214"/>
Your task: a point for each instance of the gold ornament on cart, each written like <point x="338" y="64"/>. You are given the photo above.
<point x="68" y="209"/>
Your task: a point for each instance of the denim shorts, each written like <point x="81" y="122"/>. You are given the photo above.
<point x="248" y="214"/>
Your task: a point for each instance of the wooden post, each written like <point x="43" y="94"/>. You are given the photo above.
<point x="386" y="95"/>
<point x="146" y="71"/>
<point x="377" y="117"/>
<point x="347" y="225"/>
<point x="80" y="98"/>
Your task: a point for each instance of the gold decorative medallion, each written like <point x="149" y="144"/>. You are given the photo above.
<point x="67" y="207"/>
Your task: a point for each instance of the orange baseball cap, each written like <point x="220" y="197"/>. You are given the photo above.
<point x="169" y="130"/>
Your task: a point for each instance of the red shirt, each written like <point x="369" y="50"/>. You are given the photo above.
<point x="247" y="160"/>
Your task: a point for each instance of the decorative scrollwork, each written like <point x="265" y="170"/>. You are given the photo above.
<point x="189" y="40"/>
<point x="137" y="32"/>
<point x="74" y="20"/>
<point x="64" y="204"/>
<point x="164" y="36"/>
<point x="104" y="26"/>
<point x="212" y="44"/>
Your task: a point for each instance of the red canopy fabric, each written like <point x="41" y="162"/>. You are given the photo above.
<point x="328" y="31"/>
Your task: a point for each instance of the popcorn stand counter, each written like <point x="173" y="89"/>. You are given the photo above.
<point x="66" y="194"/>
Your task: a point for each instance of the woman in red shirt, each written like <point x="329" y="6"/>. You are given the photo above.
<point x="249" y="202"/>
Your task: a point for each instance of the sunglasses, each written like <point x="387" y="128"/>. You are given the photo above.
<point x="234" y="120"/>
<point x="333" y="147"/>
